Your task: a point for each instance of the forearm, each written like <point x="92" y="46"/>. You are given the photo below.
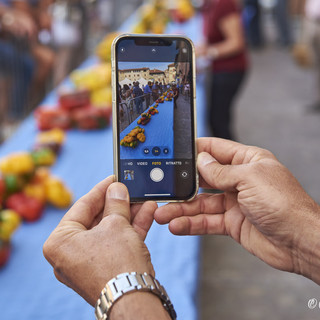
<point x="234" y="40"/>
<point x="308" y="249"/>
<point x="225" y="49"/>
<point x="139" y="305"/>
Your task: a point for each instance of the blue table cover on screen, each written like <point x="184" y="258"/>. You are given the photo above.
<point x="158" y="145"/>
<point x="158" y="132"/>
<point x="28" y="288"/>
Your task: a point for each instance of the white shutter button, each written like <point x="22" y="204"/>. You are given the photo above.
<point x="156" y="174"/>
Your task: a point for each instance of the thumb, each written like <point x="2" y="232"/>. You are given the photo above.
<point x="117" y="201"/>
<point x="218" y="176"/>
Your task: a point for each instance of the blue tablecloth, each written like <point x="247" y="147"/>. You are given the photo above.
<point x="158" y="132"/>
<point x="28" y="288"/>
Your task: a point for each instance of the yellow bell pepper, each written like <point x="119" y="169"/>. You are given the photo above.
<point x="17" y="163"/>
<point x="51" y="136"/>
<point x="41" y="175"/>
<point x="185" y="9"/>
<point x="57" y="193"/>
<point x="103" y="50"/>
<point x="102" y="97"/>
<point x="9" y="222"/>
<point x="96" y="77"/>
<point x="36" y="190"/>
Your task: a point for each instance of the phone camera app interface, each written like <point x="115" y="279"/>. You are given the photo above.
<point x="155" y="119"/>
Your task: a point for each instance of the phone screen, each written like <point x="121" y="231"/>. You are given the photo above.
<point x="155" y="117"/>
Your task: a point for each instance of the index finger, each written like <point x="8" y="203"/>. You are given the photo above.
<point x="85" y="210"/>
<point x="231" y="152"/>
<point x="202" y="204"/>
<point x="222" y="150"/>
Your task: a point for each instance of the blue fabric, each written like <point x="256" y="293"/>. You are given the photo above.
<point x="158" y="132"/>
<point x="147" y="89"/>
<point x="28" y="288"/>
<point x="19" y="66"/>
<point x="137" y="91"/>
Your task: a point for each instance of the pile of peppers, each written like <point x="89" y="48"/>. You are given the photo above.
<point x="9" y="222"/>
<point x="26" y="186"/>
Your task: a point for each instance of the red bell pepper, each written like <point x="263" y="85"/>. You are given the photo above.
<point x="74" y="99"/>
<point x="5" y="250"/>
<point x="91" y="117"/>
<point x="27" y="207"/>
<point x="52" y="118"/>
<point x="2" y="189"/>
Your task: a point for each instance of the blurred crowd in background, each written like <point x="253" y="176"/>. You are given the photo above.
<point x="41" y="41"/>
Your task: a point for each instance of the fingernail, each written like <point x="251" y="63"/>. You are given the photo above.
<point x="117" y="191"/>
<point x="205" y="158"/>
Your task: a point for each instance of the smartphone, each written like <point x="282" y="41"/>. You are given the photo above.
<point x="154" y="117"/>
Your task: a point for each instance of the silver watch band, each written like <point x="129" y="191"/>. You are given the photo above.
<point x="126" y="283"/>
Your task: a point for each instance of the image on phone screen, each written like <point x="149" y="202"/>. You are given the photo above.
<point x="155" y="117"/>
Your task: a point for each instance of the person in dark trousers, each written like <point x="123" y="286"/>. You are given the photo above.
<point x="137" y="94"/>
<point x="17" y="66"/>
<point x="155" y="91"/>
<point x="148" y="92"/>
<point x="252" y="22"/>
<point x="225" y="47"/>
<point x="282" y="19"/>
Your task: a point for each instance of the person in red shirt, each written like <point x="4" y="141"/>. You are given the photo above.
<point x="225" y="47"/>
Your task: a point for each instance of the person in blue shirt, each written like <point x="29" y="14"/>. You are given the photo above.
<point x="16" y="65"/>
<point x="137" y="94"/>
<point x="160" y="88"/>
<point x="155" y="91"/>
<point x="148" y="91"/>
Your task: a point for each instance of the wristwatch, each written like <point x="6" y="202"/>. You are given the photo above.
<point x="127" y="283"/>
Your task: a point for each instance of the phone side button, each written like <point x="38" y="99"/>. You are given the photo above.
<point x="156" y="175"/>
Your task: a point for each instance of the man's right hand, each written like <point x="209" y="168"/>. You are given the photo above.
<point x="263" y="207"/>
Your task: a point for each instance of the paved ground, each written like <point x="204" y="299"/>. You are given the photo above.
<point x="272" y="113"/>
<point x="182" y="134"/>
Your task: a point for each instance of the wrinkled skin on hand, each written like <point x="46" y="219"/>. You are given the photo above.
<point x="263" y="207"/>
<point x="100" y="237"/>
